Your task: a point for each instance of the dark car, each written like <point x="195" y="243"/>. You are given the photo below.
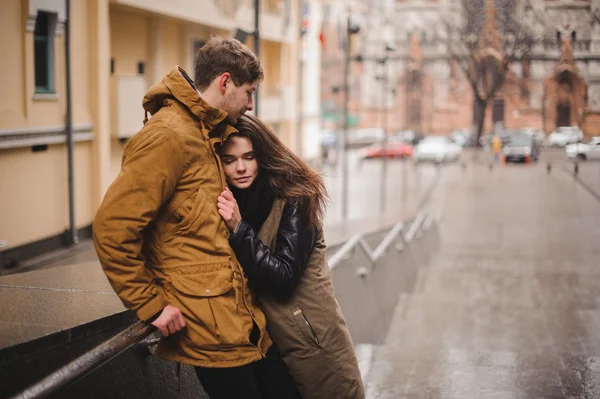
<point x="521" y="148"/>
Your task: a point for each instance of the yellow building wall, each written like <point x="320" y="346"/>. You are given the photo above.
<point x="12" y="78"/>
<point x="129" y="36"/>
<point x="20" y="109"/>
<point x="172" y="47"/>
<point x="79" y="63"/>
<point x="129" y="44"/>
<point x="34" y="186"/>
<point x="270" y="59"/>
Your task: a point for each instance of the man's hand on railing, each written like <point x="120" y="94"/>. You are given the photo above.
<point x="170" y="321"/>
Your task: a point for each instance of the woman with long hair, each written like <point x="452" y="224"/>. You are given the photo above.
<point x="274" y="210"/>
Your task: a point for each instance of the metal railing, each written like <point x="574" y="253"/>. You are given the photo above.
<point x="421" y="223"/>
<point x="88" y="362"/>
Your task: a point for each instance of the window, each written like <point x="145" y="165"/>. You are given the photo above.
<point x="43" y="37"/>
<point x="558" y="35"/>
<point x="573" y="36"/>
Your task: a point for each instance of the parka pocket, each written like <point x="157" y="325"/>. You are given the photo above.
<point x="306" y="328"/>
<point x="180" y="216"/>
<point x="185" y="215"/>
<point x="199" y="294"/>
<point x="204" y="284"/>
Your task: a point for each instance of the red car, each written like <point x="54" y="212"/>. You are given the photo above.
<point x="394" y="149"/>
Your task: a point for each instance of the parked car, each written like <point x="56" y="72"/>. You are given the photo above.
<point x="436" y="149"/>
<point x="363" y="137"/>
<point x="410" y="136"/>
<point x="565" y="135"/>
<point x="521" y="148"/>
<point x="582" y="151"/>
<point x="395" y="148"/>
<point x="461" y="137"/>
<point x="537" y="134"/>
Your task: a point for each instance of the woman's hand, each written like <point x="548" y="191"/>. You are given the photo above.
<point x="229" y="210"/>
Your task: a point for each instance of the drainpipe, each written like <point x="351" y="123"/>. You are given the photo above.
<point x="256" y="36"/>
<point x="72" y="236"/>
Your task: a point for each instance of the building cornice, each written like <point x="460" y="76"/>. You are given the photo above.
<point x="43" y="135"/>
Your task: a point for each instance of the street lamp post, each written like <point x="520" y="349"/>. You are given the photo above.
<point x="351" y="29"/>
<point x="384" y="127"/>
<point x="256" y="36"/>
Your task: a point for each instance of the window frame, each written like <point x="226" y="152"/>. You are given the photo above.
<point x="48" y="39"/>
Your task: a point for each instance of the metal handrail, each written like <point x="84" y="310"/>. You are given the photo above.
<point x="88" y="362"/>
<point x="358" y="240"/>
<point x="415" y="226"/>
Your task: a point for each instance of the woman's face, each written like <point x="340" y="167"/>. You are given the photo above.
<point x="239" y="162"/>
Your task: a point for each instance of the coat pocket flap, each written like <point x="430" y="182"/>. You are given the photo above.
<point x="205" y="284"/>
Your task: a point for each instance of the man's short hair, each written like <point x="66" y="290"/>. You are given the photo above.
<point x="220" y="55"/>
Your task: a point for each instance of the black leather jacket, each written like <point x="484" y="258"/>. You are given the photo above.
<point x="275" y="272"/>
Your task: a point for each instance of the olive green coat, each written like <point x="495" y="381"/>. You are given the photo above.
<point x="309" y="329"/>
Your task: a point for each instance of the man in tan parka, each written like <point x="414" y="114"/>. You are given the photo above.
<point x="162" y="242"/>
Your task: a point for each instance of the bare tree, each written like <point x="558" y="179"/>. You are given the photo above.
<point x="484" y="37"/>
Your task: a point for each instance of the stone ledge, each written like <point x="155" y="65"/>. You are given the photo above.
<point x="44" y="135"/>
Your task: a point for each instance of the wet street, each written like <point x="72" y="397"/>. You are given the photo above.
<point x="509" y="306"/>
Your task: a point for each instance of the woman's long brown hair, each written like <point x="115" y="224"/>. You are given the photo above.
<point x="290" y="178"/>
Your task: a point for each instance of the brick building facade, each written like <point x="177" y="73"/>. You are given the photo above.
<point x="558" y="84"/>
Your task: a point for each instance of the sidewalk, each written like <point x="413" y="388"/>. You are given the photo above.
<point x="509" y="307"/>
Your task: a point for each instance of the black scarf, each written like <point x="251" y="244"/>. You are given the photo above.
<point x="256" y="201"/>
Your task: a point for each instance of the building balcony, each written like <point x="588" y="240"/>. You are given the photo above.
<point x="224" y="14"/>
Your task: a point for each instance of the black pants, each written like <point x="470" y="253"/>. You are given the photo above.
<point x="265" y="379"/>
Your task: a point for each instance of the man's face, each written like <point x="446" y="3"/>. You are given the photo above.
<point x="238" y="100"/>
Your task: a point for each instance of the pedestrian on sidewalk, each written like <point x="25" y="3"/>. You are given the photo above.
<point x="274" y="210"/>
<point x="496" y="147"/>
<point x="162" y="243"/>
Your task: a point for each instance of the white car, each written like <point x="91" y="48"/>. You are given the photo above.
<point x="582" y="151"/>
<point x="436" y="149"/>
<point x="565" y="135"/>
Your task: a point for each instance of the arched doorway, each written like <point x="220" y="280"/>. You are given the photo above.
<point x="564" y="93"/>
<point x="564" y="98"/>
<point x="563" y="114"/>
